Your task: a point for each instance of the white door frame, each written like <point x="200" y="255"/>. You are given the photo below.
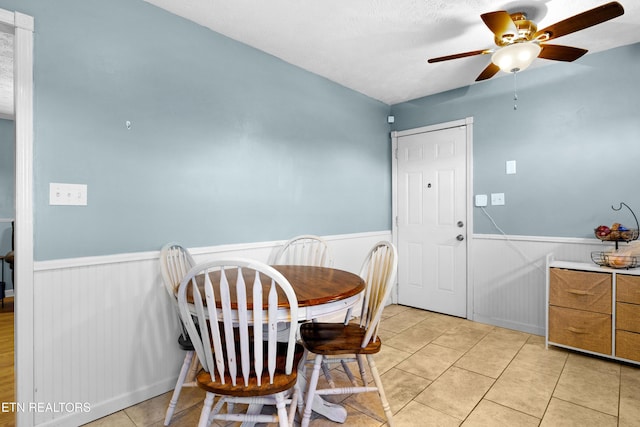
<point x="22" y="27"/>
<point x="468" y="122"/>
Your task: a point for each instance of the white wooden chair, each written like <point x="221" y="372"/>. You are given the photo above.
<point x="305" y="249"/>
<point x="238" y="364"/>
<point x="348" y="342"/>
<point x="175" y="262"/>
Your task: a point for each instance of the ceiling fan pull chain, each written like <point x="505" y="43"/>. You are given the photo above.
<point x="515" y="90"/>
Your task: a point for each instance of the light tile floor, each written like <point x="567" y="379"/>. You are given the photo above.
<point x="440" y="370"/>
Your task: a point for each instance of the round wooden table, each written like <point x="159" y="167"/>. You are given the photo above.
<point x="320" y="291"/>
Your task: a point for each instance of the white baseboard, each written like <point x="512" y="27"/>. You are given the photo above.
<point x="108" y="407"/>
<point x="508" y="324"/>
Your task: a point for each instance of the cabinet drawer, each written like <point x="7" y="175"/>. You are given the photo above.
<point x="628" y="317"/>
<point x="583" y="290"/>
<point x="628" y="288"/>
<point x="581" y="329"/>
<point x="628" y="345"/>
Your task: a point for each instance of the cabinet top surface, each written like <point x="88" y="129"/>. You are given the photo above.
<point x="586" y="266"/>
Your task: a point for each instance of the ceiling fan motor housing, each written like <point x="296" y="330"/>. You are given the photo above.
<point x="526" y="30"/>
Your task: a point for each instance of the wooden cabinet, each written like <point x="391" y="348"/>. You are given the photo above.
<point x="594" y="309"/>
<point x="628" y="317"/>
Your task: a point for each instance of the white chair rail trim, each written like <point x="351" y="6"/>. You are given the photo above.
<point x="543" y="239"/>
<point x="56" y="264"/>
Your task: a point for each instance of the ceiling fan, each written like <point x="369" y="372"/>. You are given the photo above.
<point x="519" y="41"/>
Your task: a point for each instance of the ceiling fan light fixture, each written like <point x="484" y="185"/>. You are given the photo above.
<point x="516" y="57"/>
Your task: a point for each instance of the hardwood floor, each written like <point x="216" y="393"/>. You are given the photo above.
<point x="7" y="389"/>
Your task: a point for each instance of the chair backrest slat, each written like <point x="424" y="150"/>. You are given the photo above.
<point x="243" y="327"/>
<point x="379" y="273"/>
<point x="202" y="316"/>
<point x="258" y="319"/>
<point x="226" y="321"/>
<point x="306" y="249"/>
<point x="273" y="329"/>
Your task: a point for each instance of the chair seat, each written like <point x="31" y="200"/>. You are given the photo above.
<point x="336" y="338"/>
<point x="8" y="258"/>
<point x="281" y="381"/>
<point x="185" y="343"/>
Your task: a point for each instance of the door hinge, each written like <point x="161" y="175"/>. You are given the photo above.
<point x="397" y="223"/>
<point x="396" y="153"/>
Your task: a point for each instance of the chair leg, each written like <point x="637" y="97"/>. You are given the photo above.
<point x="347" y="371"/>
<point x="195" y="367"/>
<point x="281" y="404"/>
<point x="178" y="388"/>
<point x="206" y="410"/>
<point x="302" y="372"/>
<point x="327" y="373"/>
<point x="363" y="371"/>
<point x="383" y="398"/>
<point x="313" y="383"/>
<point x="295" y="399"/>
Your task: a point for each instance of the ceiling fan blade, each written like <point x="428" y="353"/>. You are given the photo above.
<point x="583" y="20"/>
<point x="500" y="23"/>
<point x="460" y="55"/>
<point x="561" y="53"/>
<point x="488" y="72"/>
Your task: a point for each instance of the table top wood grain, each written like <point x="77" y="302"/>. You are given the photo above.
<point x="313" y="286"/>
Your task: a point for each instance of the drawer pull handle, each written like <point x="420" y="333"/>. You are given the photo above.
<point x="579" y="292"/>
<point x="576" y="330"/>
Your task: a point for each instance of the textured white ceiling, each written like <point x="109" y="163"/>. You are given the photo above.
<point x="376" y="47"/>
<point x="380" y="47"/>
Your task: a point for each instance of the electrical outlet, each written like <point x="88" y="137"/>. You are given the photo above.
<point x="497" y="199"/>
<point x="67" y="194"/>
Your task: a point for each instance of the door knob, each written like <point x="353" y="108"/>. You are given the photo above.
<point x="460" y="237"/>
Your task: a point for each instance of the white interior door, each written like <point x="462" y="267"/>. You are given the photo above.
<point x="432" y="220"/>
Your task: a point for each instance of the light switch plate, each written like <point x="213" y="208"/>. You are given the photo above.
<point x="511" y="167"/>
<point x="67" y="194"/>
<point x="481" y="200"/>
<point x="497" y="199"/>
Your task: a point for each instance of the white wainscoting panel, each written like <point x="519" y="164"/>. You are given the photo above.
<point x="508" y="277"/>
<point x="103" y="335"/>
<point x="105" y="332"/>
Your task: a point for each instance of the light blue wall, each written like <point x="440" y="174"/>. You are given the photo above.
<point x="575" y="137"/>
<point x="227" y="144"/>
<point x="7" y="186"/>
